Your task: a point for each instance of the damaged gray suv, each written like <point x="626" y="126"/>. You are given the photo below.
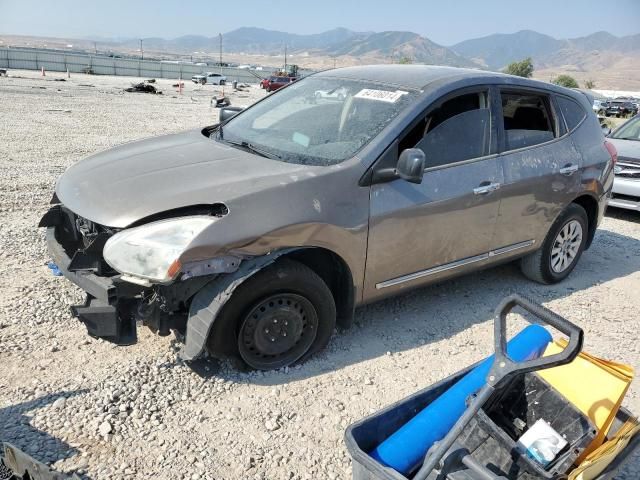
<point x="253" y="239"/>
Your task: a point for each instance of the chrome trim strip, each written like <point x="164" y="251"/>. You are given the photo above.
<point x="431" y="271"/>
<point x="511" y="248"/>
<point x="452" y="265"/>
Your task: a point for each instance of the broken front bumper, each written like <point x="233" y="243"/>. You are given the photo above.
<point x="100" y="312"/>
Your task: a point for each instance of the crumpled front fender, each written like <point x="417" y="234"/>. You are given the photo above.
<point x="208" y="302"/>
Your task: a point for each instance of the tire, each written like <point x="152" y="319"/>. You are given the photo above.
<point x="546" y="265"/>
<point x="222" y="82"/>
<point x="278" y="317"/>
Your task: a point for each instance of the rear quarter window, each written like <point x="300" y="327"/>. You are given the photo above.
<point x="572" y="112"/>
<point x="527" y="119"/>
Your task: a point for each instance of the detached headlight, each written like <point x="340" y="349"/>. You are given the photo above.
<point x="151" y="252"/>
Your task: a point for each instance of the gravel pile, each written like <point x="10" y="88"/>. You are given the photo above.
<point x="86" y="406"/>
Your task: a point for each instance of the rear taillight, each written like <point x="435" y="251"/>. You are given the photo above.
<point x="612" y="151"/>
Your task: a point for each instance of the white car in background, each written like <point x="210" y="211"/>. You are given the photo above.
<point x="626" y="184"/>
<point x="599" y="106"/>
<point x="209" y="77"/>
<point x="335" y="94"/>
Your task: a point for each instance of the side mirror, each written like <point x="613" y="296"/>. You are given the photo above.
<point x="227" y="112"/>
<point x="411" y="165"/>
<point x="606" y="130"/>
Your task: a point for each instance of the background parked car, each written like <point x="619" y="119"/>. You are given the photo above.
<point x="336" y="94"/>
<point x="599" y="106"/>
<point x="209" y="77"/>
<point x="626" y="185"/>
<point x="275" y="83"/>
<point x="620" y="108"/>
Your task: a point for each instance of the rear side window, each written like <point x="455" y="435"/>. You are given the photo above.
<point x="459" y="129"/>
<point x="571" y="111"/>
<point x="527" y="120"/>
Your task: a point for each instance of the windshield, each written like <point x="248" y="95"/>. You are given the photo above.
<point x="317" y="121"/>
<point x="628" y="131"/>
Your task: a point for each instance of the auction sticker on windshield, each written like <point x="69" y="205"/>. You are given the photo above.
<point x="380" y="95"/>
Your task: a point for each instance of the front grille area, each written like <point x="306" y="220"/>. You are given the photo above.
<point x="628" y="198"/>
<point x="635" y="162"/>
<point x="82" y="240"/>
<point x="626" y="169"/>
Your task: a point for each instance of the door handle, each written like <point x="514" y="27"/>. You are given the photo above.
<point x="485" y="189"/>
<point x="569" y="169"/>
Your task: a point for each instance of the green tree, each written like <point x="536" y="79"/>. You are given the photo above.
<point x="405" y="61"/>
<point x="523" y="68"/>
<point x="589" y="84"/>
<point x="565" y="81"/>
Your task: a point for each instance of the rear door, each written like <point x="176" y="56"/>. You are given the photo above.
<point x="542" y="168"/>
<point x="421" y="233"/>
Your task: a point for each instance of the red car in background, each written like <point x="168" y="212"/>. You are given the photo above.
<point x="274" y="83"/>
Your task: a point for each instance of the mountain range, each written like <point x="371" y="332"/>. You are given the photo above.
<point x="492" y="52"/>
<point x="612" y="61"/>
<point x="336" y="43"/>
<point x="498" y="50"/>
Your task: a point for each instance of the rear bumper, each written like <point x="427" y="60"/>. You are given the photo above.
<point x="100" y="313"/>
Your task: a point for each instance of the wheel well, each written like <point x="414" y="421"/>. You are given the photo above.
<point x="336" y="274"/>
<point x="590" y="206"/>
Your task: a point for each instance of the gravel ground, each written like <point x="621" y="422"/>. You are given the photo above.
<point x="137" y="412"/>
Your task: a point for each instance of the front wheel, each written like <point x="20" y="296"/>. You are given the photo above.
<point x="561" y="249"/>
<point x="280" y="316"/>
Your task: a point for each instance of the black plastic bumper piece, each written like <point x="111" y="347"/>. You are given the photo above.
<point x="103" y="321"/>
<point x="22" y="466"/>
<point x="96" y="286"/>
<point x="104" y="311"/>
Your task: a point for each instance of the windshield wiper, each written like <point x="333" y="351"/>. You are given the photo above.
<point x="252" y="148"/>
<point x="627" y="138"/>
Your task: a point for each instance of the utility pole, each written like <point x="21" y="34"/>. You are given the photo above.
<point x="220" y="53"/>
<point x="285" y="57"/>
<point x="95" y="48"/>
<point x="141" y="51"/>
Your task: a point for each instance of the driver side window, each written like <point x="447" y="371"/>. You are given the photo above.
<point x="456" y="130"/>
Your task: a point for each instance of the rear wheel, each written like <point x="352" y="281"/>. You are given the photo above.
<point x="561" y="249"/>
<point x="280" y="316"/>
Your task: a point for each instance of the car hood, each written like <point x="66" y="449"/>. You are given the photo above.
<point x="130" y="182"/>
<point x="626" y="148"/>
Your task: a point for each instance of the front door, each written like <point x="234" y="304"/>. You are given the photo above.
<point x="445" y="225"/>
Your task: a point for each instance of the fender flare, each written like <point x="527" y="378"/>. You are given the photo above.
<point x="208" y="302"/>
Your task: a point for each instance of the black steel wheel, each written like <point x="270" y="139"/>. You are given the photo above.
<point x="278" y="317"/>
<point x="277" y="331"/>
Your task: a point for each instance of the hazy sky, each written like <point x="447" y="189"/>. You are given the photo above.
<point x="443" y="21"/>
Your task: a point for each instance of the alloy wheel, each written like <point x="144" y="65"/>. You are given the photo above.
<point x="566" y="246"/>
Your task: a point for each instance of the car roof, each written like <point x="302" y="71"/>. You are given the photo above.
<point x="419" y="77"/>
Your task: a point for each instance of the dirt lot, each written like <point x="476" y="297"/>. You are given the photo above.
<point x="137" y="412"/>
